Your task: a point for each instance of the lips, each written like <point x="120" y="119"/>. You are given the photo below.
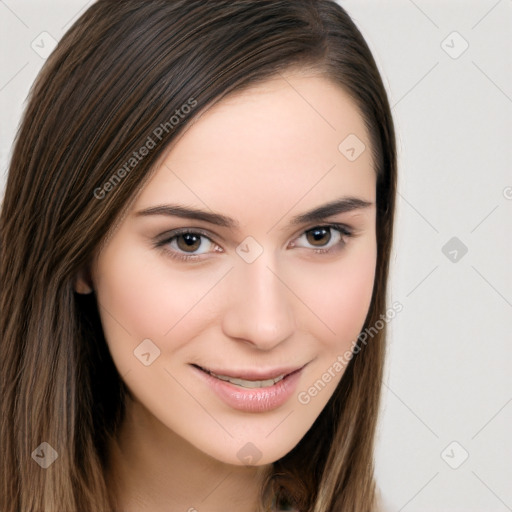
<point x="251" y="390"/>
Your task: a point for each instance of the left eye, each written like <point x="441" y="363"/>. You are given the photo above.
<point x="319" y="237"/>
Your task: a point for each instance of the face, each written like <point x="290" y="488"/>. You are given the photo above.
<point x="252" y="289"/>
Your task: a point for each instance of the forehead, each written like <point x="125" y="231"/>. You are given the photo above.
<point x="276" y="142"/>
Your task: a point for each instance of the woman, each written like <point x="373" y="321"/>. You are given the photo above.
<point x="195" y="235"/>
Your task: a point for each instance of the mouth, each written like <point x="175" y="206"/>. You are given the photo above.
<point x="251" y="379"/>
<point x="252" y="391"/>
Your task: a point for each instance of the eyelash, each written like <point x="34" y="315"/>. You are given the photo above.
<point x="344" y="231"/>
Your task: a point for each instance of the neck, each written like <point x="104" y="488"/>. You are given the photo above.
<point x="153" y="469"/>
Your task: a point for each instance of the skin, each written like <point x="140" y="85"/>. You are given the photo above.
<point x="260" y="156"/>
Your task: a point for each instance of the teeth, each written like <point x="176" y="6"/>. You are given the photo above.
<point x="249" y="383"/>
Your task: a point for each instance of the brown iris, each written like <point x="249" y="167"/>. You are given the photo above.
<point x="188" y="242"/>
<point x="315" y="235"/>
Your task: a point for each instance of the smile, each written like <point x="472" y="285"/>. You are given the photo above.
<point x="248" y="383"/>
<point x="251" y="390"/>
<point x="251" y="378"/>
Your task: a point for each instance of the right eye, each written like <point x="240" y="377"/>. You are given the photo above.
<point x="184" y="242"/>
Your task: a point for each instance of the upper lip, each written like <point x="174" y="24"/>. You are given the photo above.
<point x="253" y="374"/>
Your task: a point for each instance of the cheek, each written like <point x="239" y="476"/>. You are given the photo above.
<point x="339" y="296"/>
<point x="140" y="297"/>
<point x="350" y="297"/>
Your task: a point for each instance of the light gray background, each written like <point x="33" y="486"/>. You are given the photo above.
<point x="448" y="375"/>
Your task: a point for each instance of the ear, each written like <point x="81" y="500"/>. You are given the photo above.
<point x="83" y="282"/>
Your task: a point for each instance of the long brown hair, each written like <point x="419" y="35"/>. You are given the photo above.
<point x="122" y="70"/>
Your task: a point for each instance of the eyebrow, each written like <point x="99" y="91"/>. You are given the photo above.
<point x="343" y="205"/>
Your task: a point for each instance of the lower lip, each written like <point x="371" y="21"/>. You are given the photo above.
<point x="253" y="399"/>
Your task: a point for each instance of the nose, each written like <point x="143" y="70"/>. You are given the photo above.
<point x="259" y="311"/>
